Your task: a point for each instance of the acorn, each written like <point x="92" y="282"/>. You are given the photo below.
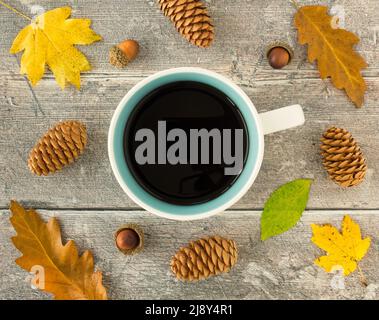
<point x="123" y="53"/>
<point x="129" y="239"/>
<point x="279" y="55"/>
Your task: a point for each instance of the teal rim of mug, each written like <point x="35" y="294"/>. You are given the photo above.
<point x="145" y="199"/>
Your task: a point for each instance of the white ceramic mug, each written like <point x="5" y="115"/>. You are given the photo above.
<point x="257" y="125"/>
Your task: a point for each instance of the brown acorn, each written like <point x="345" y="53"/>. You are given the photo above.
<point x="58" y="147"/>
<point x="123" y="53"/>
<point x="129" y="239"/>
<point x="279" y="54"/>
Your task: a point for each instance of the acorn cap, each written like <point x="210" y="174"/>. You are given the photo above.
<point x="121" y="54"/>
<point x="282" y="45"/>
<point x="140" y="234"/>
<point x="117" y="57"/>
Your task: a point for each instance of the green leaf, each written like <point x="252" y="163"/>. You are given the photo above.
<point x="284" y="207"/>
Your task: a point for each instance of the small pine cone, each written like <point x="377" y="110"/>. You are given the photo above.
<point x="60" y="146"/>
<point x="191" y="19"/>
<point x="204" y="258"/>
<point x="343" y="159"/>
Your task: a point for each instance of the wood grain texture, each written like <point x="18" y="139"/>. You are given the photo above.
<point x="90" y="183"/>
<point x="279" y="268"/>
<point x="243" y="31"/>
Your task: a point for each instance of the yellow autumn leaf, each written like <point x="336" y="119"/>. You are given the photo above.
<point x="344" y="249"/>
<point x="333" y="50"/>
<point x="50" y="39"/>
<point x="66" y="274"/>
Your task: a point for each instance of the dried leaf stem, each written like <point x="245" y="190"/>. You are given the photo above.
<point x="15" y="10"/>
<point x="295" y="4"/>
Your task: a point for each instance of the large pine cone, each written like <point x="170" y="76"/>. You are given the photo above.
<point x="343" y="159"/>
<point x="60" y="146"/>
<point x="204" y="258"/>
<point x="191" y="19"/>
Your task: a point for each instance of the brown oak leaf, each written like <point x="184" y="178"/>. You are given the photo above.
<point x="333" y="49"/>
<point x="67" y="275"/>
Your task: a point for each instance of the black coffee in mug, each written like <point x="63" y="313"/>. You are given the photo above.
<point x="185" y="142"/>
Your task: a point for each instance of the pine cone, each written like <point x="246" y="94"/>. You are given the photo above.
<point x="60" y="146"/>
<point x="191" y="19"/>
<point x="204" y="258"/>
<point x="343" y="159"/>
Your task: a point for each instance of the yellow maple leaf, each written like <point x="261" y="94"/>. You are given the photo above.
<point x="333" y="50"/>
<point x="66" y="274"/>
<point x="50" y="39"/>
<point x="344" y="249"/>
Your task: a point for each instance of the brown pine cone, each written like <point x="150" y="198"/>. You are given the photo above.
<point x="191" y="19"/>
<point x="204" y="258"/>
<point x="60" y="146"/>
<point x="343" y="159"/>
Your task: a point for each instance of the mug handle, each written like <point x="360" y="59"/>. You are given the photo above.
<point x="282" y="119"/>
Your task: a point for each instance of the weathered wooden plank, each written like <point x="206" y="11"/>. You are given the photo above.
<point x="90" y="183"/>
<point x="243" y="30"/>
<point x="280" y="268"/>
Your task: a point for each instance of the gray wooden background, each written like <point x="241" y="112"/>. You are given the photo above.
<point x="91" y="206"/>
